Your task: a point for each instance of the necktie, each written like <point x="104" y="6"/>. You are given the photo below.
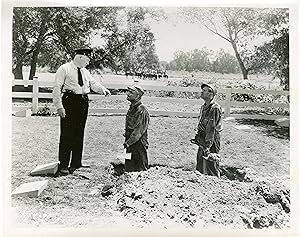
<point x="80" y="82"/>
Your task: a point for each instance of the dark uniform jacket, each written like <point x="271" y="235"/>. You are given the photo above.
<point x="136" y="125"/>
<point x="209" y="126"/>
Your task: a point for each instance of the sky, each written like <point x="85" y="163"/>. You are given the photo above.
<point x="185" y="37"/>
<point x="173" y="34"/>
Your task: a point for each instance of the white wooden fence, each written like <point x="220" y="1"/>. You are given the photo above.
<point x="227" y="104"/>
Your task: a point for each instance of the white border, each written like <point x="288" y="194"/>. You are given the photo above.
<point x="6" y="55"/>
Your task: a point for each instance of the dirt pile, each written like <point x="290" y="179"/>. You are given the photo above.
<point x="166" y="197"/>
<point x="161" y="197"/>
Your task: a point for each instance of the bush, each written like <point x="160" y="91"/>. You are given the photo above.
<point x="240" y="97"/>
<point x="45" y="111"/>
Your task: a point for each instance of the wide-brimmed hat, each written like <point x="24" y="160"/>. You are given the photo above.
<point x="137" y="89"/>
<point x="213" y="89"/>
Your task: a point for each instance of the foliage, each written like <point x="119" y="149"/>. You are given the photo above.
<point x="195" y="60"/>
<point x="45" y="111"/>
<point x="199" y="60"/>
<point x="46" y="30"/>
<point x="231" y="24"/>
<point x="130" y="45"/>
<point x="225" y="63"/>
<point x="241" y="27"/>
<point x="240" y="97"/>
<point x="48" y="37"/>
<point x="273" y="57"/>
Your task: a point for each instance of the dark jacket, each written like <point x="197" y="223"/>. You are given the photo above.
<point x="210" y="124"/>
<point x="136" y="125"/>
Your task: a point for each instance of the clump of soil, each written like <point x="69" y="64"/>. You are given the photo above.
<point x="170" y="197"/>
<point x="161" y="197"/>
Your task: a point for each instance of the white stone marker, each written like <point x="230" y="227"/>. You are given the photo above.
<point x="228" y="118"/>
<point x="45" y="169"/>
<point x="242" y="127"/>
<point x="23" y="113"/>
<point x="33" y="189"/>
<point x="283" y="122"/>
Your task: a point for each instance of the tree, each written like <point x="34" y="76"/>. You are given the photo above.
<point x="51" y="30"/>
<point x="225" y="63"/>
<point x="199" y="60"/>
<point x="180" y="61"/>
<point x="130" y="45"/>
<point x="273" y="57"/>
<point x="194" y="60"/>
<point x="235" y="25"/>
<point x="48" y="36"/>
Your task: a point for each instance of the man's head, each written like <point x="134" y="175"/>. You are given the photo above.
<point x="82" y="57"/>
<point x="208" y="92"/>
<point x="134" y="93"/>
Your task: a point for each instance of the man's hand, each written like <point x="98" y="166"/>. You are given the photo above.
<point x="61" y="112"/>
<point x="206" y="152"/>
<point x="107" y="92"/>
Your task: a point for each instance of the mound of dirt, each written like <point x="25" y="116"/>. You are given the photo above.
<point x="167" y="197"/>
<point x="161" y="197"/>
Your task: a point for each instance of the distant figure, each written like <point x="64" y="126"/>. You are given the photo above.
<point x="208" y="133"/>
<point x="136" y="135"/>
<point x="72" y="84"/>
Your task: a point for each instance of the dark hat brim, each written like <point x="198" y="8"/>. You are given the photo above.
<point x="83" y="51"/>
<point x="209" y="86"/>
<point x="136" y="89"/>
<point x="131" y="88"/>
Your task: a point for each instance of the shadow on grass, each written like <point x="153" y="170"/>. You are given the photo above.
<point x="268" y="127"/>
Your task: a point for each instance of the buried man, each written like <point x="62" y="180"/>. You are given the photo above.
<point x="136" y="125"/>
<point x="208" y="133"/>
<point x="72" y="84"/>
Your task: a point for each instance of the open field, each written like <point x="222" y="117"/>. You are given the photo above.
<point x="170" y="194"/>
<point x="222" y="80"/>
<point x="253" y="191"/>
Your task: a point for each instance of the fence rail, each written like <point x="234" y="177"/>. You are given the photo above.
<point x="227" y="104"/>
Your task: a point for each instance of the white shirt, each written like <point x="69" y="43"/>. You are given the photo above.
<point x="66" y="78"/>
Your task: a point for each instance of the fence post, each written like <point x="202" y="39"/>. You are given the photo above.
<point x="35" y="95"/>
<point x="227" y="102"/>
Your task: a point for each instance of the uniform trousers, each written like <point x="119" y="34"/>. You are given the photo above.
<point x="207" y="166"/>
<point x="139" y="158"/>
<point x="72" y="130"/>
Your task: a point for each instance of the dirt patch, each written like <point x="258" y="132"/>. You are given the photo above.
<point x="170" y="194"/>
<point x="173" y="197"/>
<point x="161" y="197"/>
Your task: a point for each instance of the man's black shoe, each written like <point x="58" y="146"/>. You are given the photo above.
<point x="71" y="170"/>
<point x="64" y="171"/>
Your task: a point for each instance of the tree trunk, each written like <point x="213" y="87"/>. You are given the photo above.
<point x="242" y="66"/>
<point x="33" y="64"/>
<point x="18" y="70"/>
<point x="40" y="39"/>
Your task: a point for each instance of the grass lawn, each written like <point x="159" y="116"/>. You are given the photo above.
<point x="173" y="194"/>
<point x="265" y="147"/>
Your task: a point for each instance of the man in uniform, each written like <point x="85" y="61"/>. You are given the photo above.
<point x="72" y="84"/>
<point x="208" y="132"/>
<point x="136" y="125"/>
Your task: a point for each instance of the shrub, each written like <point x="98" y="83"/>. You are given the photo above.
<point x="45" y="111"/>
<point x="241" y="97"/>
